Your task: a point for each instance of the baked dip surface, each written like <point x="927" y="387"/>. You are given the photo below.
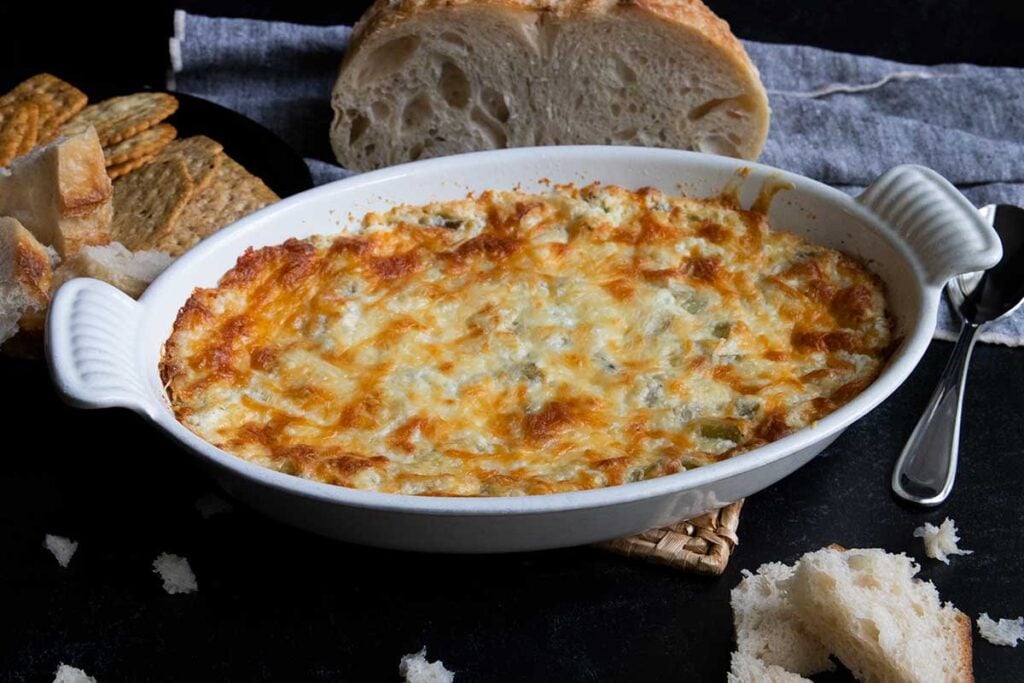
<point x="511" y="343"/>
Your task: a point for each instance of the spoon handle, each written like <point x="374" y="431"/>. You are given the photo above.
<point x="925" y="470"/>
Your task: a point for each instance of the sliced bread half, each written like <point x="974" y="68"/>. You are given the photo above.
<point x="425" y="78"/>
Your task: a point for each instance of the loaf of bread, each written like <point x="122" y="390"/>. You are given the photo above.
<point x="426" y="78"/>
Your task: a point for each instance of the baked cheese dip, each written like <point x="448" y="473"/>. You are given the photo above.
<point x="513" y="343"/>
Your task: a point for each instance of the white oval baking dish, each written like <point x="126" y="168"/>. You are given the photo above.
<point x="912" y="227"/>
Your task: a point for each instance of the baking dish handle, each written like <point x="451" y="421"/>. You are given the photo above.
<point x="945" y="231"/>
<point x="92" y="332"/>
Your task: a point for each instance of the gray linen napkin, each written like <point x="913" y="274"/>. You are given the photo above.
<point x="839" y="118"/>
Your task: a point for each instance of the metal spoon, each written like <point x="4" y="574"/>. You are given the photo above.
<point x="925" y="470"/>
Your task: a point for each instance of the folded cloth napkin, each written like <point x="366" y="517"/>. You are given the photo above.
<point x="839" y="118"/>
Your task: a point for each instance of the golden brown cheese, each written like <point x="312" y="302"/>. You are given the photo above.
<point x="523" y="344"/>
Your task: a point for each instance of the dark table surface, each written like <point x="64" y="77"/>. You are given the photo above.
<point x="279" y="604"/>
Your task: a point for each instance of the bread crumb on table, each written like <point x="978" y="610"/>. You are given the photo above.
<point x="414" y="668"/>
<point x="176" y="574"/>
<point x="940" y="542"/>
<point x="211" y="504"/>
<point x="62" y="548"/>
<point x="1002" y="632"/>
<point x="70" y="674"/>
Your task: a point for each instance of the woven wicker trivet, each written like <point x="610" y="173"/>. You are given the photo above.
<point x="701" y="545"/>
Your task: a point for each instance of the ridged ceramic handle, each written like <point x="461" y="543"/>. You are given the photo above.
<point x="945" y="231"/>
<point x="92" y="344"/>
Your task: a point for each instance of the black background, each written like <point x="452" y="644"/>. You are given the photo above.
<point x="278" y="604"/>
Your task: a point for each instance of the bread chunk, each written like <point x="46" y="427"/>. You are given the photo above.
<point x="25" y="277"/>
<point x="131" y="272"/>
<point x="61" y="193"/>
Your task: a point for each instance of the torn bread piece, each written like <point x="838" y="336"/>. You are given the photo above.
<point x="867" y="608"/>
<point x="414" y="668"/>
<point x="131" y="272"/>
<point x="61" y="193"/>
<point x="70" y="674"/>
<point x="941" y="541"/>
<point x="746" y="668"/>
<point x="767" y="625"/>
<point x="63" y="548"/>
<point x="1004" y="632"/>
<point x="176" y="574"/>
<point x="25" y="278"/>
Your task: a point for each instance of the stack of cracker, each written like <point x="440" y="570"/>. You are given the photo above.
<point x="60" y="215"/>
<point x="190" y="190"/>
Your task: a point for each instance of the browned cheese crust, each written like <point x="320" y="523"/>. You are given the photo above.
<point x="514" y="344"/>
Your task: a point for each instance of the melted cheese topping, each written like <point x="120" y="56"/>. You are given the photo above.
<point x="524" y="344"/>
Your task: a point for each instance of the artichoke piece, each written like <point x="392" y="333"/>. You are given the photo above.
<point x="722" y="428"/>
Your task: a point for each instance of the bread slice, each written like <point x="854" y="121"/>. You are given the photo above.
<point x="767" y="625"/>
<point x="886" y="627"/>
<point x="61" y="193"/>
<point x="425" y="78"/>
<point x="131" y="272"/>
<point x="26" y="271"/>
<point x="746" y="668"/>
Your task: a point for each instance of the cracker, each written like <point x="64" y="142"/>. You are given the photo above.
<point x="232" y="193"/>
<point x="14" y="123"/>
<point x="62" y="100"/>
<point x="127" y="167"/>
<point x="147" y="202"/>
<point x="47" y="116"/>
<point x="145" y="144"/>
<point x="30" y="136"/>
<point x="120" y="118"/>
<point x="201" y="155"/>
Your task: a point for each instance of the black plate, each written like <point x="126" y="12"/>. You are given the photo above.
<point x="247" y="142"/>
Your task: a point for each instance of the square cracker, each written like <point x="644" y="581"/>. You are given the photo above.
<point x="15" y="120"/>
<point x="147" y="202"/>
<point x="58" y="101"/>
<point x="232" y="193"/>
<point x="30" y="136"/>
<point x="202" y="156"/>
<point x="120" y="118"/>
<point x="145" y="144"/>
